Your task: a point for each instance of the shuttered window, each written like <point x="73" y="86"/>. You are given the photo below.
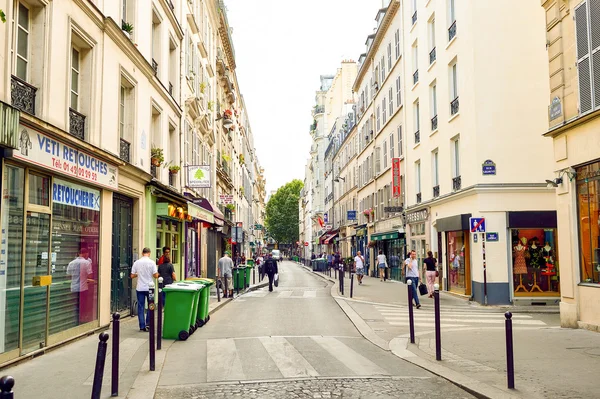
<point x="587" y="26"/>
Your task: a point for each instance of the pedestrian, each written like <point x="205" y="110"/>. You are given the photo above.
<point x="313" y="256"/>
<point x="225" y="268"/>
<point x="430" y="264"/>
<point x="330" y="260"/>
<point x="260" y="263"/>
<point x="166" y="270"/>
<point x="359" y="267"/>
<point x="166" y="251"/>
<point x="271" y="270"/>
<point x="412" y="273"/>
<point x="381" y="264"/>
<point x="337" y="259"/>
<point x="144" y="269"/>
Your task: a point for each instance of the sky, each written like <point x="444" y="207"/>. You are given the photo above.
<point x="281" y="49"/>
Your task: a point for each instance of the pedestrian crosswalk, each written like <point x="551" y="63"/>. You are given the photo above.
<point x="453" y="318"/>
<point x="293" y="293"/>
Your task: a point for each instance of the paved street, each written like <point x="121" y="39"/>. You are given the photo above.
<point x="296" y="332"/>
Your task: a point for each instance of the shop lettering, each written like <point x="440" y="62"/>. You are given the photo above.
<point x="417" y="216"/>
<point x="79" y="159"/>
<point x="75" y="197"/>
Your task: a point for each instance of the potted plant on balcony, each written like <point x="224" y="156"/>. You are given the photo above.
<point x="242" y="159"/>
<point x="211" y="105"/>
<point x="127" y="29"/>
<point x="174" y="169"/>
<point x="202" y="87"/>
<point x="226" y="157"/>
<point x="230" y="207"/>
<point x="156" y="156"/>
<point x="242" y="190"/>
<point x="227" y="114"/>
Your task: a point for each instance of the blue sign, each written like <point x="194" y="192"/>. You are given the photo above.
<point x="488" y="167"/>
<point x="477" y="225"/>
<point x="491" y="236"/>
<point x="351" y="215"/>
<point x="67" y="193"/>
<point x="325" y="218"/>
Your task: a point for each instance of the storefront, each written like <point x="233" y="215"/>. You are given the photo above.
<point x="456" y="248"/>
<point x="588" y="206"/>
<point x="393" y="245"/>
<point x="418" y="227"/>
<point x="216" y="235"/>
<point x="56" y="203"/>
<point x="534" y="254"/>
<point x="195" y="229"/>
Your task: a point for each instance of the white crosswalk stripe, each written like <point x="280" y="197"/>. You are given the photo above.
<point x="282" y="293"/>
<point x="288" y="360"/>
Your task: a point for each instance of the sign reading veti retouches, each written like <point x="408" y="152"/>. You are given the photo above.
<point x="396" y="178"/>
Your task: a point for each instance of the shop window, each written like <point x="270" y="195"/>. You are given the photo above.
<point x="588" y="191"/>
<point x="39" y="189"/>
<point x="535" y="262"/>
<point x="457" y="250"/>
<point x="167" y="235"/>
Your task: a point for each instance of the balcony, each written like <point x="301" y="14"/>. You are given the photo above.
<point x="319" y="109"/>
<point x="76" y="124"/>
<point x="155" y="66"/>
<point x="456" y="183"/>
<point x="434" y="123"/>
<point x="22" y="95"/>
<point x="417" y="137"/>
<point x="418" y="198"/>
<point x="432" y="56"/>
<point x="125" y="151"/>
<point x="414" y="18"/>
<point x="171" y="88"/>
<point x="153" y="171"/>
<point x="436" y="191"/>
<point x="452" y="31"/>
<point x="454" y="106"/>
<point x="416" y="77"/>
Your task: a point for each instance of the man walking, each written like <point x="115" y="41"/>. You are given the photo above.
<point x="270" y="269"/>
<point x="225" y="268"/>
<point x="359" y="264"/>
<point x="412" y="273"/>
<point x="144" y="269"/>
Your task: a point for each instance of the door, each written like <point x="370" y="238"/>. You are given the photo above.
<point x="122" y="255"/>
<point x="211" y="258"/>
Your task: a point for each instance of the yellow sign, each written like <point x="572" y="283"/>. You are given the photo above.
<point x="41" y="281"/>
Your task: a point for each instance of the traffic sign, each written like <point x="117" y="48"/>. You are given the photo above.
<point x="477" y="225"/>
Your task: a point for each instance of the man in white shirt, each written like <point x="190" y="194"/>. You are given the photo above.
<point x="412" y="273"/>
<point x="359" y="265"/>
<point x="144" y="269"/>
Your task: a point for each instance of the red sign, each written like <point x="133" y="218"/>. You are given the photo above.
<point x="306" y="244"/>
<point x="396" y="178"/>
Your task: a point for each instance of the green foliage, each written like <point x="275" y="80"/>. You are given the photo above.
<point x="2" y="16"/>
<point x="127" y="27"/>
<point x="199" y="174"/>
<point x="282" y="214"/>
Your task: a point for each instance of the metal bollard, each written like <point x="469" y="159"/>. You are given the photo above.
<point x="159" y="316"/>
<point x="114" y="379"/>
<point x="438" y="328"/>
<point x="411" y="321"/>
<point x="510" y="361"/>
<point x="254" y="275"/>
<point x="99" y="371"/>
<point x="151" y="325"/>
<point x="217" y="285"/>
<point x="245" y="278"/>
<point x="6" y="385"/>
<point x="351" y="284"/>
<point x="342" y="281"/>
<point x="237" y="280"/>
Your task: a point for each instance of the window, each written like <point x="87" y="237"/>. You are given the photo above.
<point x="383" y="108"/>
<point x="451" y="20"/>
<point x="433" y="90"/>
<point x="397" y="42"/>
<point x="385" y="158"/>
<point x="391" y="145"/>
<point x="378" y="120"/>
<point x="22" y="46"/>
<point x="418" y="177"/>
<point x="417" y="124"/>
<point x="588" y="197"/>
<point x="456" y="157"/>
<point x="122" y="110"/>
<point x="391" y="101"/>
<point x="434" y="168"/>
<point x="382" y="63"/>
<point x="75" y="79"/>
<point x="432" y="33"/>
<point x="126" y="101"/>
<point x="454" y="104"/>
<point x="389" y="54"/>
<point x="400" y="141"/>
<point x="414" y="10"/>
<point x="398" y="93"/>
<point x="377" y="160"/>
<point x="415" y="64"/>
<point x="588" y="41"/>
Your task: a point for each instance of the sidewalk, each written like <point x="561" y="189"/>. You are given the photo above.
<point x="68" y="371"/>
<point x="550" y="362"/>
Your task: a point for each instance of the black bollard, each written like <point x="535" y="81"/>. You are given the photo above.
<point x="99" y="371"/>
<point x="510" y="362"/>
<point x="254" y="275"/>
<point x="342" y="281"/>
<point x="6" y="385"/>
<point x="245" y="278"/>
<point x="351" y="284"/>
<point x="151" y="325"/>
<point x="217" y="285"/>
<point x="159" y="316"/>
<point x="438" y="330"/>
<point x="114" y="379"/>
<point x="237" y="280"/>
<point x="411" y="321"/>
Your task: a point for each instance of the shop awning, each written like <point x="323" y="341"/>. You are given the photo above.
<point x="330" y="238"/>
<point x="391" y="235"/>
<point x="199" y="213"/>
<point x="325" y="237"/>
<point x="209" y="206"/>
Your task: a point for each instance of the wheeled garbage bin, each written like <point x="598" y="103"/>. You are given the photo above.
<point x="202" y="315"/>
<point x="238" y="277"/>
<point x="194" y="318"/>
<point x="249" y="268"/>
<point x="180" y="310"/>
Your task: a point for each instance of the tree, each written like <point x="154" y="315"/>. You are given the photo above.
<point x="282" y="214"/>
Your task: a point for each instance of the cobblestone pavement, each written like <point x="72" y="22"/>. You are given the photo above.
<point x="348" y="388"/>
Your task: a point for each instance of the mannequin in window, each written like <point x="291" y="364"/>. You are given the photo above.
<point x="519" y="263"/>
<point x="536" y="260"/>
<point x="548" y="254"/>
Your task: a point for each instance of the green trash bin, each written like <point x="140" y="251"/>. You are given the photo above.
<point x="249" y="269"/>
<point x="238" y="277"/>
<point x="202" y="315"/>
<point x="250" y="262"/>
<point x="194" y="318"/>
<point x="180" y="303"/>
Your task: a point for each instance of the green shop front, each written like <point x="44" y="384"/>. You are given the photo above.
<point x="393" y="245"/>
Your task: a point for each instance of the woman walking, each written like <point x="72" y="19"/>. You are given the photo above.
<point x="430" y="264"/>
<point x="382" y="264"/>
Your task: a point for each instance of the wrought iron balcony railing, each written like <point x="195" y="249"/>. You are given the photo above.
<point x="434" y="123"/>
<point x="172" y="179"/>
<point x="76" y="124"/>
<point x="417" y="137"/>
<point x="432" y="56"/>
<point x="456" y="183"/>
<point x="22" y="95"/>
<point x="319" y="109"/>
<point x="418" y="198"/>
<point x="414" y="18"/>
<point x="452" y="31"/>
<point x="153" y="171"/>
<point x="454" y="106"/>
<point x="125" y="151"/>
<point x="155" y="66"/>
<point x="416" y="77"/>
<point x="436" y="191"/>
<point x="170" y="88"/>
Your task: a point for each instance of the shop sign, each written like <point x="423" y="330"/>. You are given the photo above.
<point x="41" y="150"/>
<point x="328" y="227"/>
<point x="417" y="216"/>
<point x="198" y="212"/>
<point x="71" y="194"/>
<point x="326" y="217"/>
<point x="396" y="178"/>
<point x="488" y="168"/>
<point x="555" y="108"/>
<point x="491" y="236"/>
<point x="237" y="234"/>
<point x="9" y="126"/>
<point x="306" y="244"/>
<point x="258" y="226"/>
<point x="226" y="199"/>
<point x="393" y="209"/>
<point x="351" y="215"/>
<point x="198" y="176"/>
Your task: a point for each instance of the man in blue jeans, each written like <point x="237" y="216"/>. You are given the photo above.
<point x="412" y="273"/>
<point x="144" y="269"/>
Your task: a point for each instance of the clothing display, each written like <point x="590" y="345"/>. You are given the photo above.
<point x="520" y="266"/>
<point x="536" y="258"/>
<point x="548" y="255"/>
